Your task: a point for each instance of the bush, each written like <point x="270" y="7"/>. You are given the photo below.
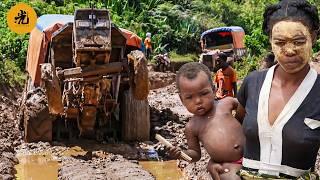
<point x="11" y="74"/>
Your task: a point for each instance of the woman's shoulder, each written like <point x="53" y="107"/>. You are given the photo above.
<point x="255" y="77"/>
<point x="251" y="85"/>
<point x="257" y="74"/>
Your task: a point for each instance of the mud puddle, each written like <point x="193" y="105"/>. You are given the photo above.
<point x="36" y="167"/>
<point x="44" y="165"/>
<point x="163" y="170"/>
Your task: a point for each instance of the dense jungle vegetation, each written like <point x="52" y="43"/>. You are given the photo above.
<point x="176" y="26"/>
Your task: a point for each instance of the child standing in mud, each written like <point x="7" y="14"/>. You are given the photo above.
<point x="212" y="124"/>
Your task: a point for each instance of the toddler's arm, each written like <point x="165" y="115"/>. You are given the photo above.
<point x="193" y="145"/>
<point x="194" y="150"/>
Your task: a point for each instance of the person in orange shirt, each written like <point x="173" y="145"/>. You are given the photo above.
<point x="225" y="78"/>
<point x="147" y="43"/>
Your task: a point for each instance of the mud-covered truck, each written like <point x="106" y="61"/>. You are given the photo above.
<point x="86" y="78"/>
<point x="229" y="40"/>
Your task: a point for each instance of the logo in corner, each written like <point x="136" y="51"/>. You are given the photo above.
<point x="21" y="18"/>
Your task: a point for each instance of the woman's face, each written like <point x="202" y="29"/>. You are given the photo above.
<point x="292" y="45"/>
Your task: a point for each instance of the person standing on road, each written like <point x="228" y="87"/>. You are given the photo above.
<point x="148" y="46"/>
<point x="225" y="78"/>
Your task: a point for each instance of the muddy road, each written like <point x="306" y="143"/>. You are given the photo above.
<point x="89" y="160"/>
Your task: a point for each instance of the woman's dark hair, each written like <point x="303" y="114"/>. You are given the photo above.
<point x="296" y="10"/>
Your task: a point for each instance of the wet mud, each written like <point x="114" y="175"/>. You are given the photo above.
<point x="30" y="166"/>
<point x="87" y="160"/>
<point x="90" y="160"/>
<point x="163" y="169"/>
<point x="9" y="137"/>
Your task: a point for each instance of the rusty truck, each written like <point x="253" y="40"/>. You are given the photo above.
<point x="228" y="40"/>
<point x="86" y="78"/>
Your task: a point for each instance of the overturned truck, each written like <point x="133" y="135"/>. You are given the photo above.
<point x="87" y="78"/>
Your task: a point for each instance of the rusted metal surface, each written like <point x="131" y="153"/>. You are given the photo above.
<point x="72" y="113"/>
<point x="61" y="47"/>
<point x="87" y="120"/>
<point x="115" y="67"/>
<point x="92" y="37"/>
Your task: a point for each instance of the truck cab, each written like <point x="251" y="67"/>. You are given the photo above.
<point x="229" y="40"/>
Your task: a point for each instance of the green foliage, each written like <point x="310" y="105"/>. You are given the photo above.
<point x="11" y="74"/>
<point x="13" y="47"/>
<point x="246" y="65"/>
<point x="174" y="57"/>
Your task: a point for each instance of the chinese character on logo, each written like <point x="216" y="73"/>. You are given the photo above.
<point x="22" y="17"/>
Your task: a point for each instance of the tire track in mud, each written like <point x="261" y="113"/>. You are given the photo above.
<point x="110" y="168"/>
<point x="86" y="164"/>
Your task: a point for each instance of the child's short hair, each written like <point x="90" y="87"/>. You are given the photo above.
<point x="190" y="71"/>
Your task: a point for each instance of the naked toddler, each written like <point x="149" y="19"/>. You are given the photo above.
<point x="212" y="124"/>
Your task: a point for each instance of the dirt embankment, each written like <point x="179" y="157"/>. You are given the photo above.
<point x="9" y="136"/>
<point x="159" y="79"/>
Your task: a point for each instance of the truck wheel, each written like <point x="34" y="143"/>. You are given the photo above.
<point x="139" y="80"/>
<point x="135" y="118"/>
<point x="36" y="118"/>
<point x="162" y="68"/>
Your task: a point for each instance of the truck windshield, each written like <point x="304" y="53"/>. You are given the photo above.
<point x="218" y="40"/>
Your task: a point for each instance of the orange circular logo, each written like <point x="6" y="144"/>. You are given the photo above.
<point x="21" y="18"/>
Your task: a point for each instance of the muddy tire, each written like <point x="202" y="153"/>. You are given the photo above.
<point x="139" y="80"/>
<point x="161" y="68"/>
<point x="36" y="119"/>
<point x="135" y="118"/>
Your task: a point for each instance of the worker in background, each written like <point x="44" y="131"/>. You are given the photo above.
<point x="147" y="43"/>
<point x="225" y="78"/>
